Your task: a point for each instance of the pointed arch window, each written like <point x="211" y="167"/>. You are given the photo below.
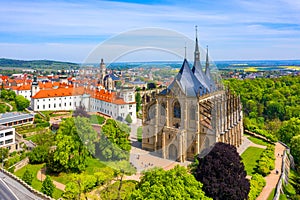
<point x="177" y="110"/>
<point x="192" y="113"/>
<point x="163" y="109"/>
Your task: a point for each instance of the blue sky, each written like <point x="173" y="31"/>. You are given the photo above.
<point x="69" y="30"/>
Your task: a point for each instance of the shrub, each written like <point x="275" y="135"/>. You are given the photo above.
<point x="266" y="161"/>
<point x="27" y="177"/>
<point x="257" y="183"/>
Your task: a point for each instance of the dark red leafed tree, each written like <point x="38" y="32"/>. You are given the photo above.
<point x="222" y="173"/>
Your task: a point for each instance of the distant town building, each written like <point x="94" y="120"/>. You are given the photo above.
<point x="93" y="97"/>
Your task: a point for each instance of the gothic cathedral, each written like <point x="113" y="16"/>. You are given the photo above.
<point x="191" y="114"/>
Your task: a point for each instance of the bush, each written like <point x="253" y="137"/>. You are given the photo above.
<point x="27" y="177"/>
<point x="266" y="161"/>
<point x="128" y="119"/>
<point x="48" y="186"/>
<point x="257" y="183"/>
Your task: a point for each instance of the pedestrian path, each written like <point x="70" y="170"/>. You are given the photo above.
<point x="273" y="177"/>
<point x="41" y="177"/>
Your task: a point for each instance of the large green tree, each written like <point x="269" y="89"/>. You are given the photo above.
<point x="176" y="183"/>
<point x="289" y="129"/>
<point x="21" y="102"/>
<point x="72" y="144"/>
<point x="114" y="141"/>
<point x="39" y="154"/>
<point x="222" y="173"/>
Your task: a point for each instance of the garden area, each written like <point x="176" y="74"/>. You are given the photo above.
<point x="35" y="183"/>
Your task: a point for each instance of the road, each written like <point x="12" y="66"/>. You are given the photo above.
<point x="5" y="192"/>
<point x="16" y="188"/>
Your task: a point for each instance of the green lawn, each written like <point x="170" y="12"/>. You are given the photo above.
<point x="258" y="141"/>
<point x="271" y="196"/>
<point x="250" y="156"/>
<point x="36" y="184"/>
<point x="140" y="133"/>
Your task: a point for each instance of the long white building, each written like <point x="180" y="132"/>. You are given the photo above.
<point x="66" y="97"/>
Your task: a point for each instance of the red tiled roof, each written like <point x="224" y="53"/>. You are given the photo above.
<point x="102" y="95"/>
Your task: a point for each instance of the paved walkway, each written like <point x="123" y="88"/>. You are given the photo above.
<point x="272" y="178"/>
<point x="247" y="143"/>
<point x="41" y="176"/>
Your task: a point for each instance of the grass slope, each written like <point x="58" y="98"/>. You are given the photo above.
<point x="36" y="184"/>
<point x="250" y="156"/>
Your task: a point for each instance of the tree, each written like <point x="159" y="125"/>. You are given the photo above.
<point x="138" y="101"/>
<point x="222" y="173"/>
<point x="21" y="102"/>
<point x="39" y="154"/>
<point x="289" y="129"/>
<point x="295" y="148"/>
<point x="71" y="152"/>
<point x="128" y="119"/>
<point x="176" y="183"/>
<point x="27" y="177"/>
<point x="71" y="191"/>
<point x="48" y="186"/>
<point x="80" y="183"/>
<point x="3" y="153"/>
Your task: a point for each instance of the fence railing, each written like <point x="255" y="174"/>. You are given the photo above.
<point x="287" y="163"/>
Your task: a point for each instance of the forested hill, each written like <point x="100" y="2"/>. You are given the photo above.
<point x="36" y="64"/>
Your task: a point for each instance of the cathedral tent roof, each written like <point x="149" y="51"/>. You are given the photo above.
<point x="187" y="80"/>
<point x="202" y="78"/>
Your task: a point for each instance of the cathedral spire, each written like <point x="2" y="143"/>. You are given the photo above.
<point x="197" y="52"/>
<point x="207" y="62"/>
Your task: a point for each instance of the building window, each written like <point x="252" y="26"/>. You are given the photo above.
<point x="9" y="133"/>
<point x="70" y="103"/>
<point x="55" y="105"/>
<point x="8" y="141"/>
<point x="49" y="105"/>
<point x="59" y="105"/>
<point x="192" y="113"/>
<point x="38" y="107"/>
<point x="130" y="113"/>
<point x="43" y="106"/>
<point x="130" y="106"/>
<point x="163" y="109"/>
<point x="65" y="104"/>
<point x="1" y="142"/>
<point x="1" y="135"/>
<point x="177" y="110"/>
